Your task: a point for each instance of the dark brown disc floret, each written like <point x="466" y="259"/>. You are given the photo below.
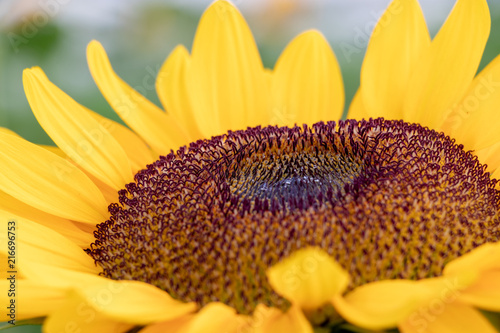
<point x="386" y="199"/>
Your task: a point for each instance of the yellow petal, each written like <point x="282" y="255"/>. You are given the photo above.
<point x="173" y="91"/>
<point x="482" y="265"/>
<point x="442" y="317"/>
<point x="446" y="69"/>
<point x="33" y="299"/>
<point x="483" y="258"/>
<point x="70" y="126"/>
<point x="394" y="48"/>
<point x="178" y="325"/>
<point x="48" y="182"/>
<point x="227" y="84"/>
<point x="309" y="278"/>
<point x="77" y="315"/>
<point x="496" y="175"/>
<point x="216" y="317"/>
<point x="8" y="131"/>
<point x="161" y="133"/>
<point x="125" y="301"/>
<point x="478" y="112"/>
<point x="109" y="193"/>
<point x="40" y="244"/>
<point x="307" y="83"/>
<point x="269" y="320"/>
<point x="485" y="292"/>
<point x="357" y="109"/>
<point x="489" y="156"/>
<point x="137" y="151"/>
<point x="55" y="150"/>
<point x="383" y="304"/>
<point x="63" y="226"/>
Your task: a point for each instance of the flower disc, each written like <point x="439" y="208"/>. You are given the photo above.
<point x="386" y="199"/>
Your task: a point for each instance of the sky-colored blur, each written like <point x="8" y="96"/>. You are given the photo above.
<point x="139" y="34"/>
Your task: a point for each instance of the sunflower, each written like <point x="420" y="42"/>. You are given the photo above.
<point x="247" y="207"/>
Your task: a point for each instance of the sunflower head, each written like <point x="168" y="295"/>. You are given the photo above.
<point x="248" y="206"/>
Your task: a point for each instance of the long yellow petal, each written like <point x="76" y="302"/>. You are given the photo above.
<point x="490" y="156"/>
<point x="137" y="151"/>
<point x="109" y="193"/>
<point x="132" y="302"/>
<point x="33" y="299"/>
<point x="384" y="304"/>
<point x="482" y="265"/>
<point x="216" y="317"/>
<point x="485" y="292"/>
<point x="63" y="226"/>
<point x="77" y="315"/>
<point x="446" y="69"/>
<point x="37" y="243"/>
<point x="397" y="41"/>
<point x="8" y="131"/>
<point x="444" y="317"/>
<point x="82" y="138"/>
<point x="55" y="150"/>
<point x="478" y="111"/>
<point x="161" y="133"/>
<point x="269" y="320"/>
<point x="309" y="278"/>
<point x="227" y="84"/>
<point x="483" y="258"/>
<point x="357" y="109"/>
<point x="173" y="91"/>
<point x="307" y="83"/>
<point x="178" y="325"/>
<point x="48" y="182"/>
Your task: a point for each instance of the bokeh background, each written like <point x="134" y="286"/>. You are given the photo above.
<point x="139" y="34"/>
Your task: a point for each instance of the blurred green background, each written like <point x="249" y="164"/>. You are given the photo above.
<point x="138" y="35"/>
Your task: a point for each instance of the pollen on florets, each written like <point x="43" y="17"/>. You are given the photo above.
<point x="386" y="199"/>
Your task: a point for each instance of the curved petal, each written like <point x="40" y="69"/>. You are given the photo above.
<point x="447" y="318"/>
<point x="159" y="131"/>
<point x="81" y="137"/>
<point x="8" y="131"/>
<point x="33" y="175"/>
<point x="35" y="300"/>
<point x="478" y="111"/>
<point x="64" y="227"/>
<point x="178" y="325"/>
<point x="482" y="265"/>
<point x="489" y="156"/>
<point x="485" y="292"/>
<point x="307" y="83"/>
<point x="77" y="315"/>
<point x="55" y="150"/>
<point x="37" y="243"/>
<point x="126" y="301"/>
<point x="481" y="259"/>
<point x="138" y="153"/>
<point x="173" y="91"/>
<point x="446" y="69"/>
<point x="357" y="109"/>
<point x="384" y="304"/>
<point x="269" y="320"/>
<point x="227" y="84"/>
<point x="309" y="278"/>
<point x="216" y="317"/>
<point x="395" y="46"/>
<point x="109" y="193"/>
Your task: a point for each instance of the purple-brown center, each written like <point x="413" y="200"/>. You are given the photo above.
<point x="386" y="199"/>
